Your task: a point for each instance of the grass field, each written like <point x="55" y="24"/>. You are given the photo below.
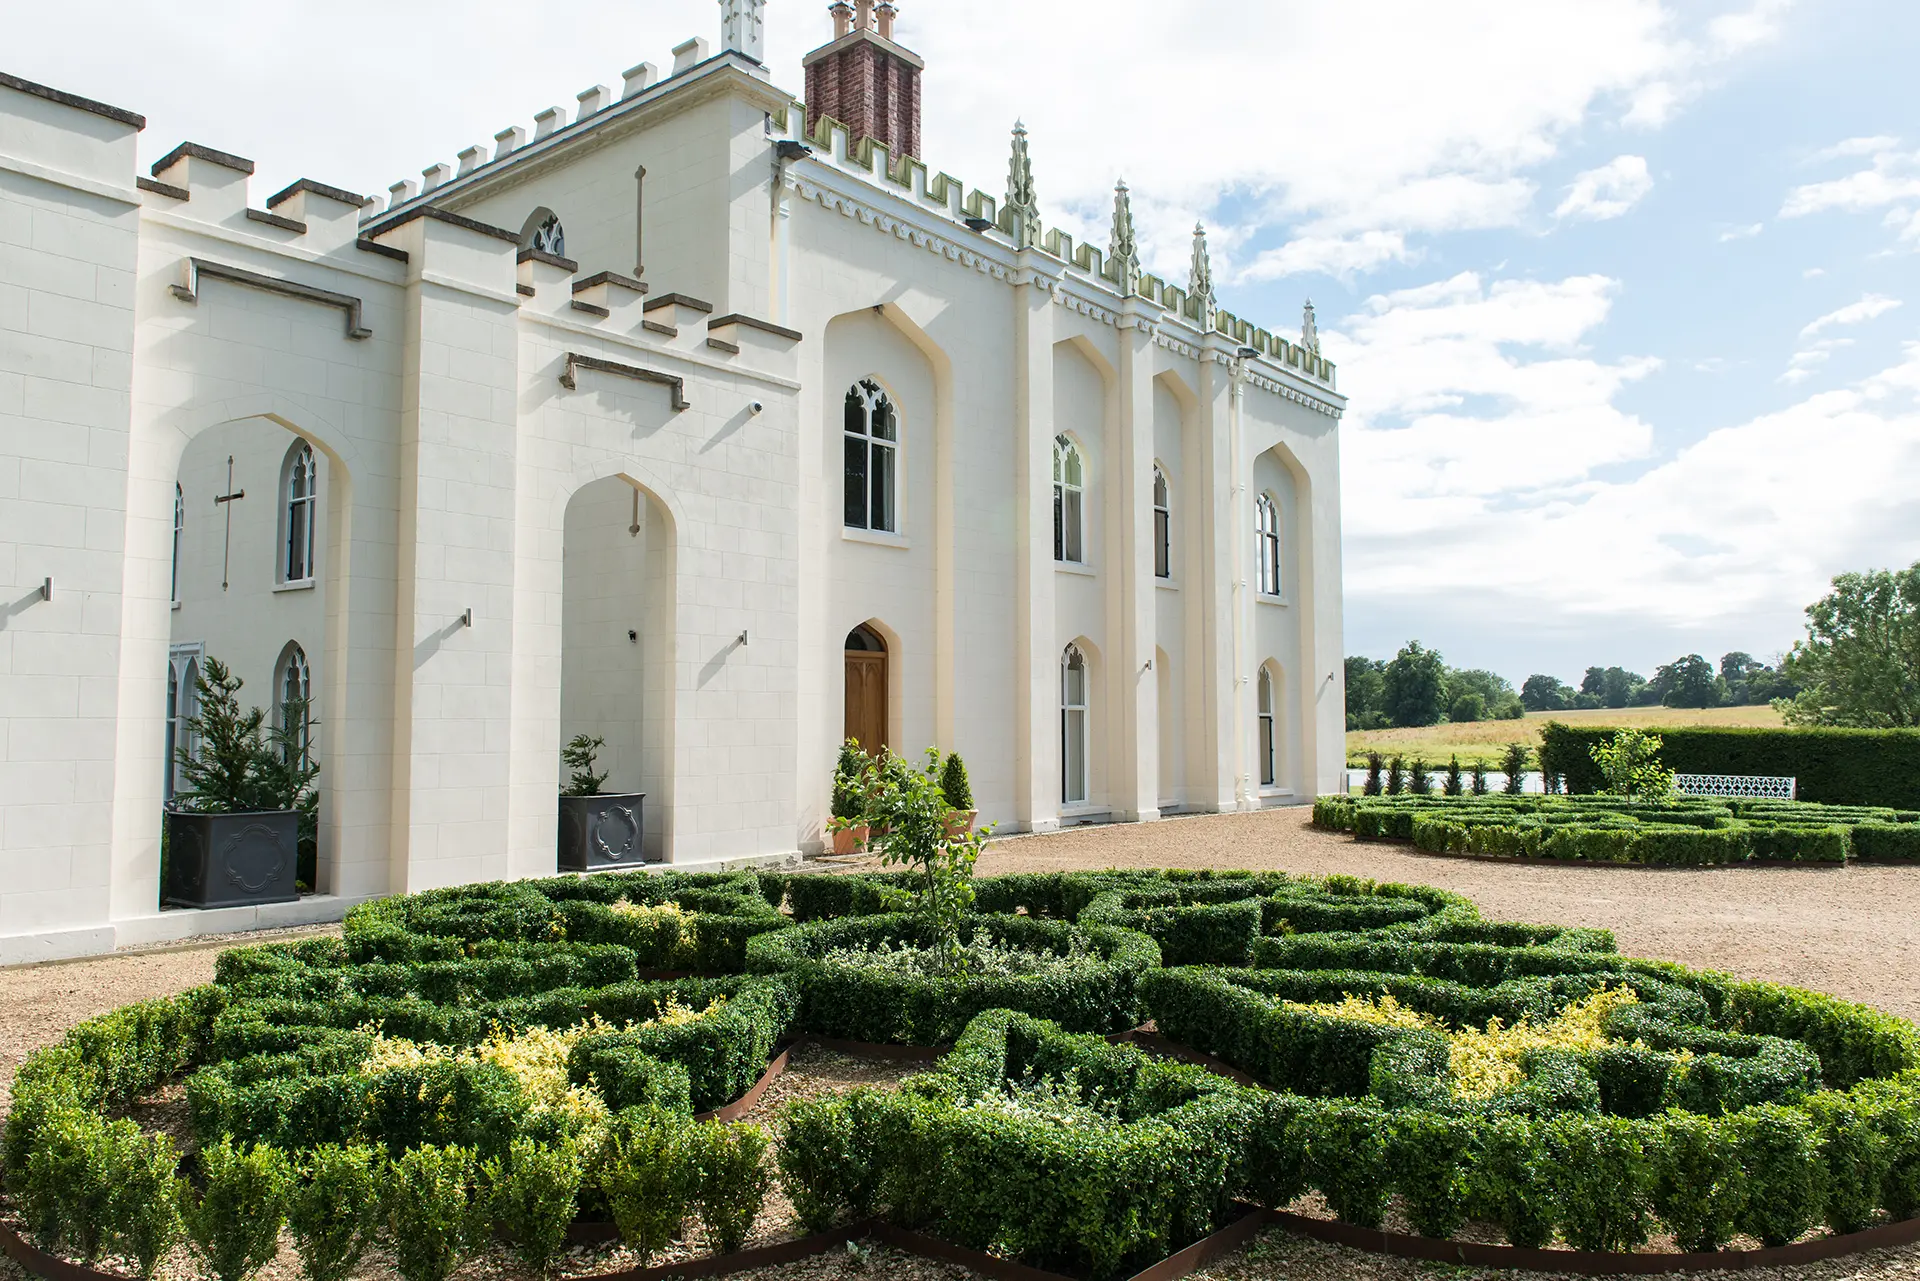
<point x="1487" y="741"/>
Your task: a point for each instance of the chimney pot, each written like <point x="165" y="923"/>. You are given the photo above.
<point x="885" y="14"/>
<point x="863" y="14"/>
<point x="842" y="18"/>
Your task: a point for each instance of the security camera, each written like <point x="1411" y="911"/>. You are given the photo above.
<point x="755" y="407"/>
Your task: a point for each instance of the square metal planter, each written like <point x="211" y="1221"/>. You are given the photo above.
<point x="599" y="832"/>
<point x="231" y="860"/>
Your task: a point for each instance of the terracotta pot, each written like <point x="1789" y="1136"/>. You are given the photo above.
<point x="960" y="822"/>
<point x="850" y="840"/>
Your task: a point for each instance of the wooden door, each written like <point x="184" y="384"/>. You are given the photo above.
<point x="867" y="699"/>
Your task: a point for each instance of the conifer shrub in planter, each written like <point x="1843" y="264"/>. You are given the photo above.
<point x="848" y="830"/>
<point x="597" y="829"/>
<point x="233" y="836"/>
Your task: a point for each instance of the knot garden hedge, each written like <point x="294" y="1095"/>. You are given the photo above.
<point x="512" y="1057"/>
<point x="1682" y="832"/>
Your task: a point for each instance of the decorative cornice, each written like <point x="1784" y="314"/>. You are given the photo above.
<point x="899" y="228"/>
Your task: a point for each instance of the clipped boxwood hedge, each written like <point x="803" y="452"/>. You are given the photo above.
<point x="875" y="1003"/>
<point x="1692" y="1103"/>
<point x="1833" y="766"/>
<point x="1685" y="832"/>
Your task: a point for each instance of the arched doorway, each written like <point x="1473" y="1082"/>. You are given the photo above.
<point x="867" y="689"/>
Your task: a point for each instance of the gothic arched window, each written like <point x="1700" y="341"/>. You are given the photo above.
<point x="1266" y="522"/>
<point x="1267" y="772"/>
<point x="1162" y="526"/>
<point x="300" y="485"/>
<point x="293" y="710"/>
<point x="872" y="448"/>
<point x="1069" y="502"/>
<point x="1073" y="726"/>
<point x="173" y="726"/>
<point x="179" y="525"/>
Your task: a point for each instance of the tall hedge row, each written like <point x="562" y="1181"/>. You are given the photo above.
<point x="1834" y="766"/>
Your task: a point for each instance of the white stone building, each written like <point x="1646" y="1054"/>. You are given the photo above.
<point x="662" y="421"/>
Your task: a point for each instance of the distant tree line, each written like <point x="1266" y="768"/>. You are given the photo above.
<point x="1685" y="682"/>
<point x="1416" y="687"/>
<point x="1858" y="666"/>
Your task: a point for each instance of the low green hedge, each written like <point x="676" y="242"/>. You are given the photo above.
<point x="861" y="1003"/>
<point x="1060" y="1151"/>
<point x="1687" y="832"/>
<point x="1833" y="766"/>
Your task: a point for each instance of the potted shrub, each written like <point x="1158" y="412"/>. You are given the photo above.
<point x="597" y="829"/>
<point x="850" y="787"/>
<point x="958" y="791"/>
<point x="233" y="834"/>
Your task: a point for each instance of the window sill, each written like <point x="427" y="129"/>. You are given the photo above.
<point x="875" y="538"/>
<point x="1165" y="584"/>
<point x="1085" y="811"/>
<point x="298" y="585"/>
<point x="1268" y="598"/>
<point x="1074" y="567"/>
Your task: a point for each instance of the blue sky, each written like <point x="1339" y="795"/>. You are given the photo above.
<point x="1624" y="291"/>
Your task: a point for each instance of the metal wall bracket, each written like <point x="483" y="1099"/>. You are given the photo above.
<point x="577" y="361"/>
<point x="192" y="269"/>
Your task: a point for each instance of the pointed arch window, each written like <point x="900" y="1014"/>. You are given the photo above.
<point x="300" y="486"/>
<point x="1073" y="727"/>
<point x="872" y="449"/>
<point x="1266" y="520"/>
<point x="1162" y="526"/>
<point x="1069" y="502"/>
<point x="179" y="527"/>
<point x="293" y="708"/>
<point x="183" y="705"/>
<point x="1268" y="773"/>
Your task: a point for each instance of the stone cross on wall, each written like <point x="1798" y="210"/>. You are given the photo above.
<point x="743" y="28"/>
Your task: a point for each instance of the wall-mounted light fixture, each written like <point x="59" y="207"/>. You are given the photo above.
<point x="633" y="635"/>
<point x="466" y="619"/>
<point x="46" y="589"/>
<point x="741" y="640"/>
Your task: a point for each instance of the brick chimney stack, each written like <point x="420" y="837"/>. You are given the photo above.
<point x="866" y="81"/>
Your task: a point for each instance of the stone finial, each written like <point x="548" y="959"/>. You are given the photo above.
<point x="598" y="98"/>
<point x="1023" y="204"/>
<point x="404" y="190"/>
<point x="1309" y="332"/>
<point x="1124" y="252"/>
<point x="509" y="140"/>
<point x="842" y="18"/>
<point x="471" y="158"/>
<point x="1200" y="281"/>
<point x="743" y="28"/>
<point x="552" y="120"/>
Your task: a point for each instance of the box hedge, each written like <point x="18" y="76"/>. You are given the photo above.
<point x="1835" y="766"/>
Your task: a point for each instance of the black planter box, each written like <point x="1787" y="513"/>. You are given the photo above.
<point x="598" y="832"/>
<point x="231" y="860"/>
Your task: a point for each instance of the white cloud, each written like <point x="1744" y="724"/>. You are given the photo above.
<point x="1813" y="273"/>
<point x="1870" y="307"/>
<point x="1333" y="255"/>
<point x="1892" y="179"/>
<point x="1466" y="448"/>
<point x="1747" y="232"/>
<point x="1607" y="192"/>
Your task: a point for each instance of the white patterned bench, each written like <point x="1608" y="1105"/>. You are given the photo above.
<point x="1754" y="787"/>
